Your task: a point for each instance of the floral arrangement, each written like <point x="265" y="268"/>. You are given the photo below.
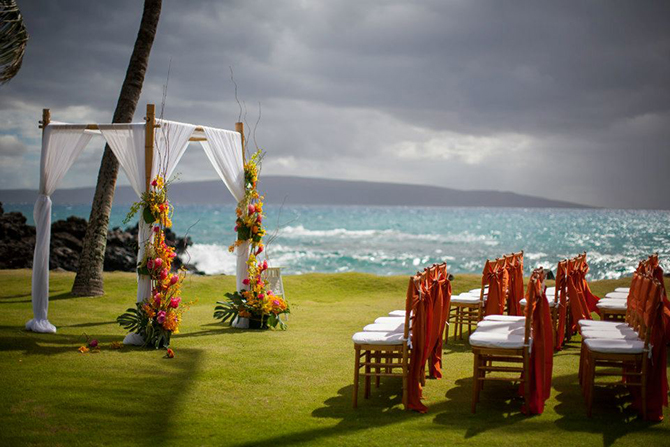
<point x="255" y="302"/>
<point x="159" y="315"/>
<point x="154" y="204"/>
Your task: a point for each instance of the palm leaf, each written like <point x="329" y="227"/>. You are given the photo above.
<point x="13" y="40"/>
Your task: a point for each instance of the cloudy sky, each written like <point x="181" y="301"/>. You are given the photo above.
<point x="566" y="100"/>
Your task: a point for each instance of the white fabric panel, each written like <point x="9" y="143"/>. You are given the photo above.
<point x="127" y="143"/>
<point x="224" y="150"/>
<point x="171" y="141"/>
<point x="61" y="145"/>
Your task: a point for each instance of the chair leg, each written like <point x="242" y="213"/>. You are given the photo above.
<point x="367" y="375"/>
<point x="526" y="381"/>
<point x="475" y="383"/>
<point x="591" y="385"/>
<point x="357" y="366"/>
<point x="643" y="381"/>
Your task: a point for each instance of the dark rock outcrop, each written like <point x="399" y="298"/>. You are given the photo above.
<point x="17" y="244"/>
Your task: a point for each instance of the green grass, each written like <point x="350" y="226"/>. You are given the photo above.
<point x="236" y="387"/>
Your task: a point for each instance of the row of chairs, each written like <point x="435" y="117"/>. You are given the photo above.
<point x="402" y="343"/>
<point x="516" y="348"/>
<point x="468" y="308"/>
<point x="633" y="349"/>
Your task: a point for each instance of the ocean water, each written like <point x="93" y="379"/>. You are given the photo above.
<point x="400" y="240"/>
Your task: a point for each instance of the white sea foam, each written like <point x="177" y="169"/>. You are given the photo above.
<point x="213" y="259"/>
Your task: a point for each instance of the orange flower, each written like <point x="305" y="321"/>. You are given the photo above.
<point x="169" y="354"/>
<point x="83" y="349"/>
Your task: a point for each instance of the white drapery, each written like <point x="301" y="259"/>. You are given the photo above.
<point x="224" y="150"/>
<point x="61" y="145"/>
<point x="128" y="144"/>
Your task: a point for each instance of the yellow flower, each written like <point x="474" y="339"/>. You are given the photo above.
<point x="83" y="349"/>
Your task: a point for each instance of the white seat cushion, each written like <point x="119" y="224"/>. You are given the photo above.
<point x="551" y="290"/>
<point x="611" y="304"/>
<point x="622" y="289"/>
<point x="609" y="334"/>
<point x="600" y="324"/>
<point x="390" y="320"/>
<point x="378" y="338"/>
<point x="465" y="298"/>
<point x="504" y="318"/>
<point x="385" y="327"/>
<point x="620" y="295"/>
<point x="516" y="328"/>
<point x="615" y="346"/>
<point x="478" y="291"/>
<point x="397" y="313"/>
<point x="496" y="339"/>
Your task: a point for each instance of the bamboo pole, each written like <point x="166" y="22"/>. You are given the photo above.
<point x="239" y="127"/>
<point x="149" y="143"/>
<point x="46" y="119"/>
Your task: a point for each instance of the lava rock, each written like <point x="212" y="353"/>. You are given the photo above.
<point x="17" y="244"/>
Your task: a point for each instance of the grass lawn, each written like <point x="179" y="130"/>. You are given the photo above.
<point x="234" y="387"/>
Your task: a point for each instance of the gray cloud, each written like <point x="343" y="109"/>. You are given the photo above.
<point x="563" y="100"/>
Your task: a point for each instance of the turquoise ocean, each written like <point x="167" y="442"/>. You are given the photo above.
<point x="400" y="240"/>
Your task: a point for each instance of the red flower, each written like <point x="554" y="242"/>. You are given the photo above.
<point x="169" y="354"/>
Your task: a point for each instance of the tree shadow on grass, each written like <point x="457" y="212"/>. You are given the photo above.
<point x="382" y="409"/>
<point x="499" y="406"/>
<point x="132" y="404"/>
<point x="16" y="338"/>
<point x="612" y="416"/>
<point x="52" y="297"/>
<point x="217" y="329"/>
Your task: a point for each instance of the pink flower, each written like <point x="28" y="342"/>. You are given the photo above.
<point x="164" y="273"/>
<point x="174" y="279"/>
<point x="160" y="318"/>
<point x="261" y="283"/>
<point x="174" y="302"/>
<point x="259" y="251"/>
<point x="251" y="209"/>
<point x="157" y="299"/>
<point x="265" y="265"/>
<point x="156" y="229"/>
<point x="172" y="255"/>
<point x="150" y="264"/>
<point x="154" y="183"/>
<point x="245" y="281"/>
<point x="93" y="343"/>
<point x="261" y="296"/>
<point x="269" y="292"/>
<point x="259" y="219"/>
<point x="158" y="262"/>
<point x="235" y="229"/>
<point x="276" y="302"/>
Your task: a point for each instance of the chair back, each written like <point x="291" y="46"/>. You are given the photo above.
<point x="272" y="276"/>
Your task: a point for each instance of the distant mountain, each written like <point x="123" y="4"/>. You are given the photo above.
<point x="313" y="191"/>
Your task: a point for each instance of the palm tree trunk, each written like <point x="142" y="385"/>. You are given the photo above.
<point x="88" y="281"/>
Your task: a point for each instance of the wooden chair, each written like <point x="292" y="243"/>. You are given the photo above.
<point x="384" y="354"/>
<point x="505" y="343"/>
<point x="630" y="357"/>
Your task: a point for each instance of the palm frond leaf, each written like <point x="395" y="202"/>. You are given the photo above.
<point x="13" y="40"/>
